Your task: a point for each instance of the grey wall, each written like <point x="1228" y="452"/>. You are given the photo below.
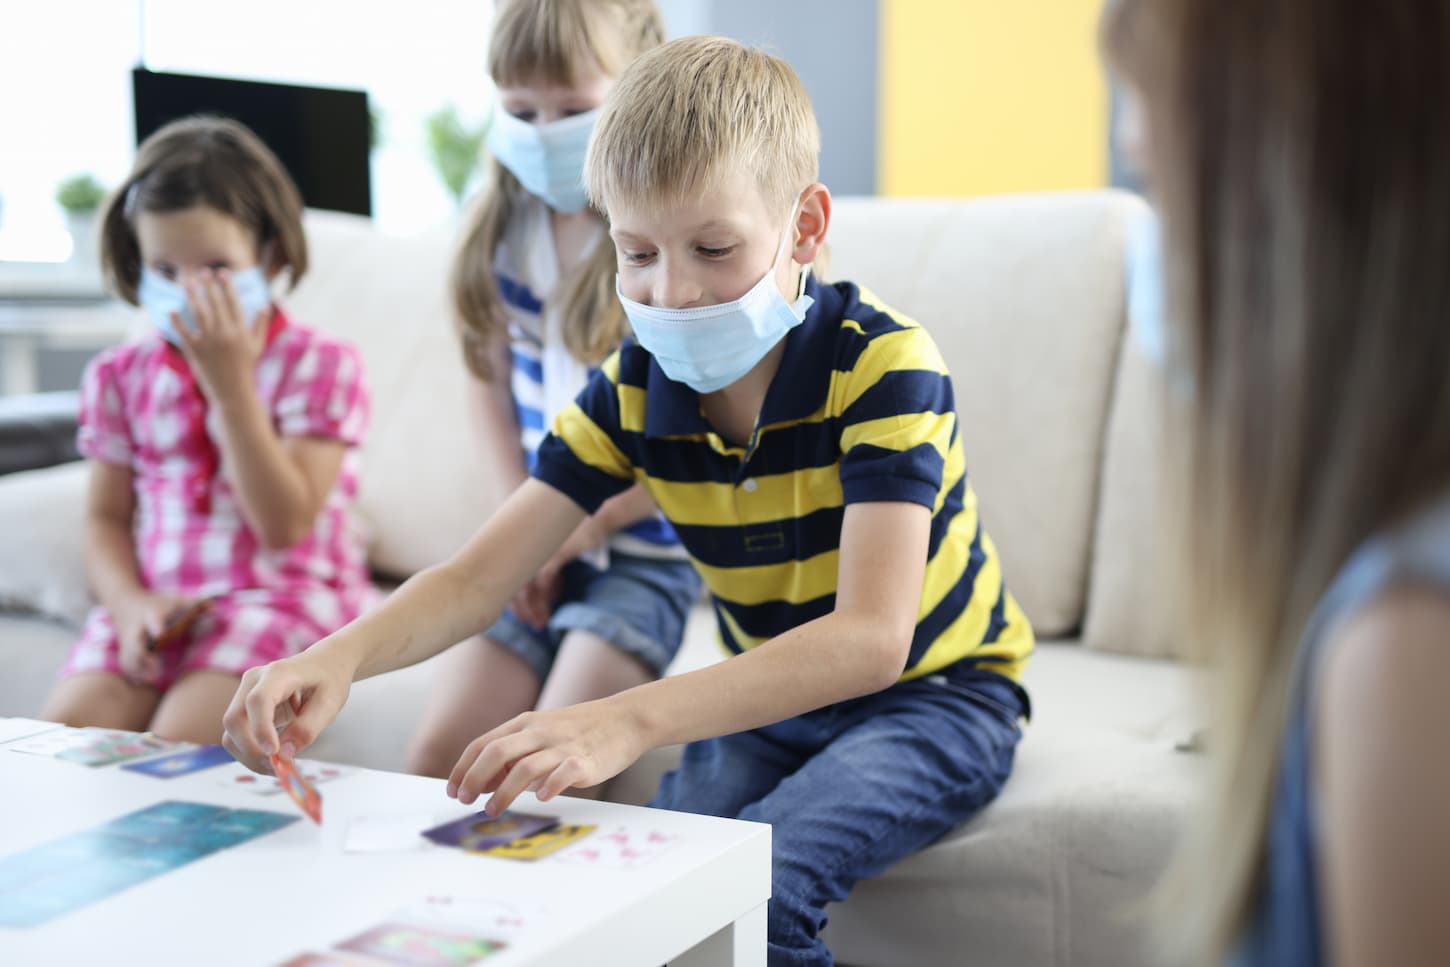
<point x="832" y="46"/>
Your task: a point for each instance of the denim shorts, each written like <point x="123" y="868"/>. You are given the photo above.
<point x="637" y="604"/>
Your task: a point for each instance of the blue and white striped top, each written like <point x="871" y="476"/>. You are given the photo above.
<point x="545" y="377"/>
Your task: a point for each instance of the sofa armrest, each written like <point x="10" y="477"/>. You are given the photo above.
<point x="38" y="430"/>
<point x="42" y="518"/>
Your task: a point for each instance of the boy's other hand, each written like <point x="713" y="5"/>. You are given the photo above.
<point x="548" y="752"/>
<point x="281" y="708"/>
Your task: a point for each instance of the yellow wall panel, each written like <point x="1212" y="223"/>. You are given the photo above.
<point x="986" y="96"/>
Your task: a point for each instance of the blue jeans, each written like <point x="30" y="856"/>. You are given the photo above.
<point x="851" y="788"/>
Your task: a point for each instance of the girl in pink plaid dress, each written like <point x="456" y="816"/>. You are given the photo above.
<point x="222" y="447"/>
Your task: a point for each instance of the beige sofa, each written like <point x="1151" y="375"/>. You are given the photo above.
<point x="1025" y="296"/>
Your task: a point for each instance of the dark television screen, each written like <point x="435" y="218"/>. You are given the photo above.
<point x="320" y="134"/>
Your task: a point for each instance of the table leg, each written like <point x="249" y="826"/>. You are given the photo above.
<point x="741" y="944"/>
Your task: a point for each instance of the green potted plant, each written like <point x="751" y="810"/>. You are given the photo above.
<point x="453" y="147"/>
<point x="79" y="196"/>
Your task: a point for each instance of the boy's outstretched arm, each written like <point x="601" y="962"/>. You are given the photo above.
<point x="433" y="610"/>
<point x="860" y="647"/>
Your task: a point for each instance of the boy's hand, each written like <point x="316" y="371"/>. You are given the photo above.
<point x="282" y="707"/>
<point x="548" y="752"/>
<point x="139" y="622"/>
<point x="224" y="348"/>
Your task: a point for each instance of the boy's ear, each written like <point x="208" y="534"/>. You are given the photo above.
<point x="811" y="223"/>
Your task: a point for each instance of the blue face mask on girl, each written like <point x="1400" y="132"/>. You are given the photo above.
<point x="161" y="297"/>
<point x="709" y="347"/>
<point x="547" y="159"/>
<point x="1144" y="271"/>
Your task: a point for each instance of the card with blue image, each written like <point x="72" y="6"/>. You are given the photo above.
<point x="182" y="763"/>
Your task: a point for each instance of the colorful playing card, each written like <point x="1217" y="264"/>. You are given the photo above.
<point x="332" y="958"/>
<point x="95" y="747"/>
<point x="421" y="946"/>
<point x="481" y="832"/>
<point x="182" y="763"/>
<point x="620" y="849"/>
<point x="74" y="871"/>
<point x="539" y="845"/>
<point x="303" y="793"/>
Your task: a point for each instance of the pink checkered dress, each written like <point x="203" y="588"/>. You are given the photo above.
<point x="138" y="410"/>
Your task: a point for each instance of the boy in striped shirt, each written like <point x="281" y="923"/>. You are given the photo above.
<point x="802" y="439"/>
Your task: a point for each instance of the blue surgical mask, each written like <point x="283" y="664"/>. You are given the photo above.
<point x="709" y="347"/>
<point x="1144" y="269"/>
<point x="547" y="159"/>
<point x="160" y="297"/>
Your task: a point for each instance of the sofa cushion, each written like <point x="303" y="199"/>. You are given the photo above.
<point x="424" y="489"/>
<point x="1028" y="318"/>
<point x="42" y="515"/>
<point x="1130" y="608"/>
<point x="1052" y="871"/>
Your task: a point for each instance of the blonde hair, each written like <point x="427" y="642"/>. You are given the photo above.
<point x="211" y="161"/>
<point x="686" y="113"/>
<point x="1307" y="290"/>
<point x="546" y="42"/>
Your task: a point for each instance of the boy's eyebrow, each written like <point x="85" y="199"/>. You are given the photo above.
<point x="713" y="224"/>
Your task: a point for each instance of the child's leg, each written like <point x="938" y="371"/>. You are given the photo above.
<point x="908" y="766"/>
<point x="191" y="710"/>
<point x="101" y="699"/>
<point x="480" y="684"/>
<point x="589" y="667"/>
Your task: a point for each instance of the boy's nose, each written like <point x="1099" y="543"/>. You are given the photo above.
<point x="674" y="290"/>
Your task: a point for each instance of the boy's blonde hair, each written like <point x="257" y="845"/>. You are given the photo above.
<point x="686" y="113"/>
<point x="546" y="42"/>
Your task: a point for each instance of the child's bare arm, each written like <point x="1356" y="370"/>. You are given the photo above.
<point x="281" y="483"/>
<point x="860" y="647"/>
<point x="110" y="551"/>
<point x="432" y="611"/>
<point x="139" y="615"/>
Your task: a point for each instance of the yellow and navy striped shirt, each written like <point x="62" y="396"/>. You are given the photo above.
<point x="861" y="409"/>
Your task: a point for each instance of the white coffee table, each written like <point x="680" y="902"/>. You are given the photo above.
<point x="700" y="903"/>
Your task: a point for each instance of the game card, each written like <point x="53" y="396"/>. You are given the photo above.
<point x="182" y="763"/>
<point x="419" y="945"/>
<point x="481" y="832"/>
<point x="539" y="845"/>
<point x="620" y="849"/>
<point x="21" y="728"/>
<point x="94" y="747"/>
<point x="332" y="958"/>
<point x="303" y="793"/>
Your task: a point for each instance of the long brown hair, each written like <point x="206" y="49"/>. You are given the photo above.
<point x="211" y="161"/>
<point x="549" y="42"/>
<point x="1301" y="163"/>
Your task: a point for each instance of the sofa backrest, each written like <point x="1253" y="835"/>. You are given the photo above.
<point x="1024" y="294"/>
